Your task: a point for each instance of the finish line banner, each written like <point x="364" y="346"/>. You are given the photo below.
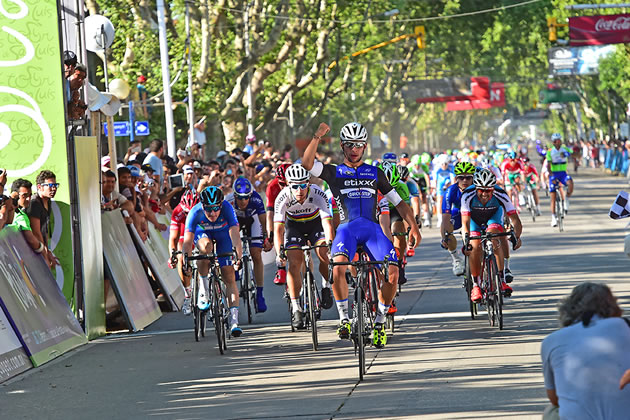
<point x="33" y="303"/>
<point x="32" y="116"/>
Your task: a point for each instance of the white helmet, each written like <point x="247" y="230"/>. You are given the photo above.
<point x="353" y="132"/>
<point x="484" y="179"/>
<point x="556" y="136"/>
<point x="297" y="174"/>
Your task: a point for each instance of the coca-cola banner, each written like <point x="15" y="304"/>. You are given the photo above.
<point x="599" y="30"/>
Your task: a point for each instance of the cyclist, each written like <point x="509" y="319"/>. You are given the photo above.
<point x="512" y="168"/>
<point x="273" y="189"/>
<point x="557" y="160"/>
<point x="420" y="172"/>
<point x="464" y="172"/>
<point x="214" y="219"/>
<point x="390" y="157"/>
<point x="302" y="215"/>
<point x="484" y="205"/>
<point x="250" y="213"/>
<point x="396" y="221"/>
<point x="176" y="239"/>
<point x="441" y="178"/>
<point x="414" y="193"/>
<point x="531" y="178"/>
<point x="355" y="186"/>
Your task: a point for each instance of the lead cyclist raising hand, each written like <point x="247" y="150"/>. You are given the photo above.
<point x="355" y="186"/>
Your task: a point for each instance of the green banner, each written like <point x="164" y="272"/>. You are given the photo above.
<point x="32" y="119"/>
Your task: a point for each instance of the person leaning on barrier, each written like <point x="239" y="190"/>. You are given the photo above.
<point x="584" y="360"/>
<point x="39" y="209"/>
<point x="112" y="199"/>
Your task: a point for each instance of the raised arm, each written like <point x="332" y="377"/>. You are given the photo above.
<point x="309" y="154"/>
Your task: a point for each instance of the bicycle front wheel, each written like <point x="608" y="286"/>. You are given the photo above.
<point x="360" y="325"/>
<point x="312" y="306"/>
<point x="217" y="313"/>
<point x="245" y="290"/>
<point x="196" y="312"/>
<point x="488" y="290"/>
<point x="497" y="294"/>
<point x="468" y="286"/>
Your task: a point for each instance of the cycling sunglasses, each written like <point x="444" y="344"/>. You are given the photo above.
<point x="242" y="197"/>
<point x="486" y="190"/>
<point x="354" y="145"/>
<point x="464" y="177"/>
<point x="51" y="185"/>
<point x="299" y="186"/>
<point x="212" y="208"/>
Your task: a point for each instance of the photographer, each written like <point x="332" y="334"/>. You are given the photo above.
<point x="112" y="199"/>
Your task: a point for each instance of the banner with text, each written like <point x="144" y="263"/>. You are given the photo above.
<point x="32" y="115"/>
<point x="33" y="303"/>
<point x="13" y="358"/>
<point x="497" y="99"/>
<point x="599" y="30"/>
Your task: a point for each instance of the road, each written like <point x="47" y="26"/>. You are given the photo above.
<point x="439" y="363"/>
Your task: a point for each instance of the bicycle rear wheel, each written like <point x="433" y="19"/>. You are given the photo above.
<point x="312" y="306"/>
<point x="531" y="204"/>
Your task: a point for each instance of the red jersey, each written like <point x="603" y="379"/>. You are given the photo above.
<point x="510" y="166"/>
<point x="273" y="189"/>
<point x="530" y="169"/>
<point x="178" y="221"/>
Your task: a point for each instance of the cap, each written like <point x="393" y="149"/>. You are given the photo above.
<point x="69" y="58"/>
<point x="134" y="170"/>
<point x="404" y="155"/>
<point x="196" y="165"/>
<point x="105" y="161"/>
<point x="250" y="138"/>
<point x="188" y="169"/>
<point x="142" y="79"/>
<point x="221" y="154"/>
<point x="146" y="168"/>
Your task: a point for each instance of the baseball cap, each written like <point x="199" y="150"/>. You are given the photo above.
<point x="105" y="161"/>
<point x="188" y="169"/>
<point x="146" y="168"/>
<point x="134" y="170"/>
<point x="196" y="165"/>
<point x="404" y="155"/>
<point x="221" y="154"/>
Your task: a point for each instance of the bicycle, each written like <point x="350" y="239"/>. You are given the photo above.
<point x="365" y="302"/>
<point x="530" y="203"/>
<point x="309" y="299"/>
<point x="492" y="297"/>
<point x="248" y="282"/>
<point x="218" y="299"/>
<point x="559" y="205"/>
<point x="467" y="284"/>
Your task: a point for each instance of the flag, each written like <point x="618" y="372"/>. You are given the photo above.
<point x="620" y="208"/>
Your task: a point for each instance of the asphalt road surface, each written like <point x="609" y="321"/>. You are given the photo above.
<point x="439" y="364"/>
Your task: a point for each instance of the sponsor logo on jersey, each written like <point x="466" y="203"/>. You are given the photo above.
<point x="359" y="182"/>
<point x="342" y="213"/>
<point x="359" y="194"/>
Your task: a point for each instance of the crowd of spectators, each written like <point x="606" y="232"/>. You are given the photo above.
<point x="612" y="156"/>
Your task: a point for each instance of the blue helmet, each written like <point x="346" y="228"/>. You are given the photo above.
<point x="242" y="188"/>
<point x="211" y="196"/>
<point x="389" y="156"/>
<point x="512" y="155"/>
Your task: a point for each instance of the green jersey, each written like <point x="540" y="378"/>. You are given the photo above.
<point x="403" y="191"/>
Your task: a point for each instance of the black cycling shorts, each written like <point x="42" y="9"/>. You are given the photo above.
<point x="298" y="234"/>
<point x="394" y="216"/>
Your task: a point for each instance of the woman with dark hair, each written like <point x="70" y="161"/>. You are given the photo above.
<point x="584" y="360"/>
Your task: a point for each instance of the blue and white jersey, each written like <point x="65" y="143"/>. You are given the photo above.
<point x="256" y="205"/>
<point x="355" y="190"/>
<point x="197" y="220"/>
<point x="412" y="185"/>
<point x="452" y="202"/>
<point x="443" y="177"/>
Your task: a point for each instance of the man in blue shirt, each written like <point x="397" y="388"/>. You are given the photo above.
<point x="211" y="221"/>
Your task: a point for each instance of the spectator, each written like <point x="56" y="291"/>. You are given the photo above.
<point x="7" y="210"/>
<point x="250" y="142"/>
<point x="200" y="137"/>
<point x="127" y="176"/>
<point x="154" y="158"/>
<point x="143" y="109"/>
<point x="584" y="361"/>
<point x="76" y="106"/>
<point x="39" y="210"/>
<point x="3" y="180"/>
<point x="111" y="199"/>
<point x="21" y="190"/>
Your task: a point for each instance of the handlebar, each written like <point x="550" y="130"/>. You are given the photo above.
<point x="490" y="235"/>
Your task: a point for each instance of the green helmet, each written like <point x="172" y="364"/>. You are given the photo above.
<point x="390" y="172"/>
<point x="464" y="168"/>
<point x="425" y="158"/>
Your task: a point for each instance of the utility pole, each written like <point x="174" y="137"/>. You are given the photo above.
<point x="166" y="78"/>
<point x="191" y="107"/>
<point x="250" y="98"/>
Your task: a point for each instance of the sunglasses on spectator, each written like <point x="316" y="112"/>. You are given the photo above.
<point x="299" y="186"/>
<point x="486" y="190"/>
<point x="51" y="185"/>
<point x="464" y="177"/>
<point x="212" y="208"/>
<point x="353" y="145"/>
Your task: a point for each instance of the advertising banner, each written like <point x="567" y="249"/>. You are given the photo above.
<point x="13" y="358"/>
<point x="479" y="90"/>
<point x="89" y="198"/>
<point x="129" y="280"/>
<point x="497" y="99"/>
<point x="33" y="303"/>
<point x="599" y="30"/>
<point x="571" y="61"/>
<point x="32" y="114"/>
<point x="157" y="255"/>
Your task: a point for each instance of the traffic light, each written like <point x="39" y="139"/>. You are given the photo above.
<point x="420" y="36"/>
<point x="552" y="24"/>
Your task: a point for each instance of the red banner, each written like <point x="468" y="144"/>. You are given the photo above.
<point x="599" y="30"/>
<point x="497" y="99"/>
<point x="479" y="87"/>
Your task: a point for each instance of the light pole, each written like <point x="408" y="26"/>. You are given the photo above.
<point x="166" y="78"/>
<point x="250" y="96"/>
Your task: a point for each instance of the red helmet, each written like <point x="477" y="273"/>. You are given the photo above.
<point x="280" y="170"/>
<point x="189" y="199"/>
